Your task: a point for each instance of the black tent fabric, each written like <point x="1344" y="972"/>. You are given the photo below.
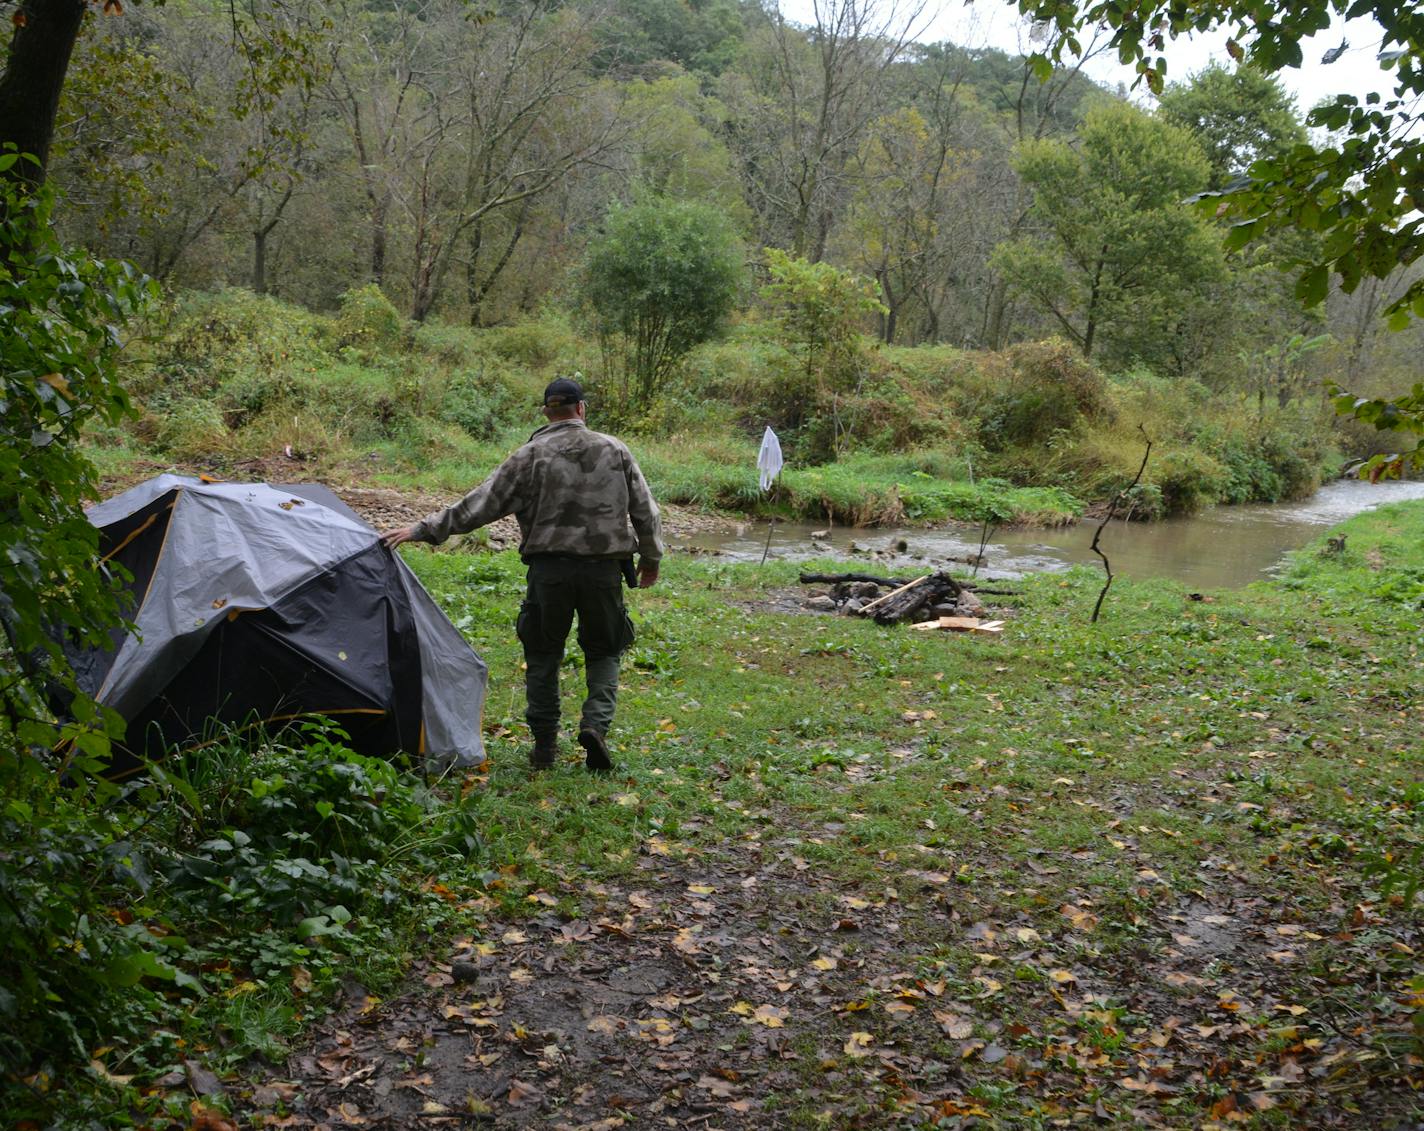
<point x="261" y="604"/>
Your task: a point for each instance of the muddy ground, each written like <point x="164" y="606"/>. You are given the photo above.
<point x="726" y="986"/>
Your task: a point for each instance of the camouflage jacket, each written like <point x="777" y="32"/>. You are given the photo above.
<point x="573" y="490"/>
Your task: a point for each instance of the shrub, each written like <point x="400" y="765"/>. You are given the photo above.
<point x="661" y="278"/>
<point x="233" y="867"/>
<point x="365" y="402"/>
<point x="1187" y="480"/>
<point x="822" y="310"/>
<point x="535" y="344"/>
<point x="1050" y="389"/>
<point x="209" y="339"/>
<point x="192" y="428"/>
<point x="63" y="318"/>
<point x="368" y="323"/>
<point x="486" y="401"/>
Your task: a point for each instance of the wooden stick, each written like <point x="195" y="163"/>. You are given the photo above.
<point x="909" y="585"/>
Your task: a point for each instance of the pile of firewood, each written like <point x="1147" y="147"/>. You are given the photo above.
<point x="935" y="600"/>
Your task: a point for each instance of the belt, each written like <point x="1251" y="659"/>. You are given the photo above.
<point x="544" y="557"/>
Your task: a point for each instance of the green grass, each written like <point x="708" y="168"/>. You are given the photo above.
<point x="1274" y="733"/>
<point x="809" y="713"/>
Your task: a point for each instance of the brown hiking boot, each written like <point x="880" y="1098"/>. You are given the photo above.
<point x="544" y="751"/>
<point x="595" y="750"/>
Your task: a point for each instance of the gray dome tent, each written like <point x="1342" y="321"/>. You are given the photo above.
<point x="261" y="603"/>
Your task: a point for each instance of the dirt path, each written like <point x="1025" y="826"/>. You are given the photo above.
<point x="739" y="986"/>
<point x="385" y="507"/>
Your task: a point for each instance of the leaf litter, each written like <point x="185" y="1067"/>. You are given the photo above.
<point x="696" y="997"/>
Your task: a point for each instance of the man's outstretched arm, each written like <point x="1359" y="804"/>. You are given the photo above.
<point x="394" y="537"/>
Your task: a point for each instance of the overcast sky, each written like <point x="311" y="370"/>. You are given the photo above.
<point x="995" y="23"/>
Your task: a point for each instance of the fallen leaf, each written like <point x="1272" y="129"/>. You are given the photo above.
<point x="955" y="1027"/>
<point x="111" y="1078"/>
<point x="722" y="1089"/>
<point x="859" y="1044"/>
<point x="201" y="1080"/>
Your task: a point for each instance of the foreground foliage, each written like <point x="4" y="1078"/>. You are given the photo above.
<point x="187" y="919"/>
<point x="1353" y="188"/>
<point x="63" y="315"/>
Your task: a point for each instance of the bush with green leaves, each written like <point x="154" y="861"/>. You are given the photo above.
<point x="485" y="400"/>
<point x="64" y="315"/>
<point x="293" y="841"/>
<point x="206" y="341"/>
<point x="822" y="309"/>
<point x="661" y="277"/>
<point x="1051" y="388"/>
<point x="218" y="872"/>
<point x="368" y="322"/>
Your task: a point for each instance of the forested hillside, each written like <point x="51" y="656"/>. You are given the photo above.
<point x="462" y="158"/>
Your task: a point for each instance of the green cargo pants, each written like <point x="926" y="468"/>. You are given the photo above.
<point x="558" y="589"/>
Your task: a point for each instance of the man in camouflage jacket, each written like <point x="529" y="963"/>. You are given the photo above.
<point x="584" y="509"/>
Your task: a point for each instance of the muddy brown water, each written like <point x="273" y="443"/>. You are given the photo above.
<point x="1221" y="548"/>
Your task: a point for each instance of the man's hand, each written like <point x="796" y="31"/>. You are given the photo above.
<point x="647" y="574"/>
<point x="393" y="538"/>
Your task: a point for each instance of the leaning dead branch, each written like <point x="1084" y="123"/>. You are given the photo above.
<point x="1112" y="509"/>
<point x="840" y="578"/>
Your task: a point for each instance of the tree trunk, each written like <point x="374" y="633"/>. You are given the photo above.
<point x="259" y="260"/>
<point x="994" y="315"/>
<point x="478" y="288"/>
<point x="378" y="241"/>
<point x="32" y="81"/>
<point x="890" y="318"/>
<point x="259" y="238"/>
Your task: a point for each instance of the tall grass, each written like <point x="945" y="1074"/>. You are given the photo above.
<point x="911" y="435"/>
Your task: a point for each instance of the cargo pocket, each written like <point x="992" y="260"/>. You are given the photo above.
<point x="527" y="625"/>
<point x="626" y="633"/>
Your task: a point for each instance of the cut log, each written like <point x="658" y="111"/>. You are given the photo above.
<point x="865" y="610"/>
<point x="908" y="600"/>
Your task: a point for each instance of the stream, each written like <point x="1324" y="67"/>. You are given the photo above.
<point x="1221" y="548"/>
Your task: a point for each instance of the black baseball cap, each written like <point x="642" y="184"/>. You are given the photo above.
<point x="562" y="391"/>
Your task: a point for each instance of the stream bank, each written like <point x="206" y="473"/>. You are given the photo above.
<point x="1222" y="547"/>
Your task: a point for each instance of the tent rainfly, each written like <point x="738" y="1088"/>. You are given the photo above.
<point x="263" y="603"/>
